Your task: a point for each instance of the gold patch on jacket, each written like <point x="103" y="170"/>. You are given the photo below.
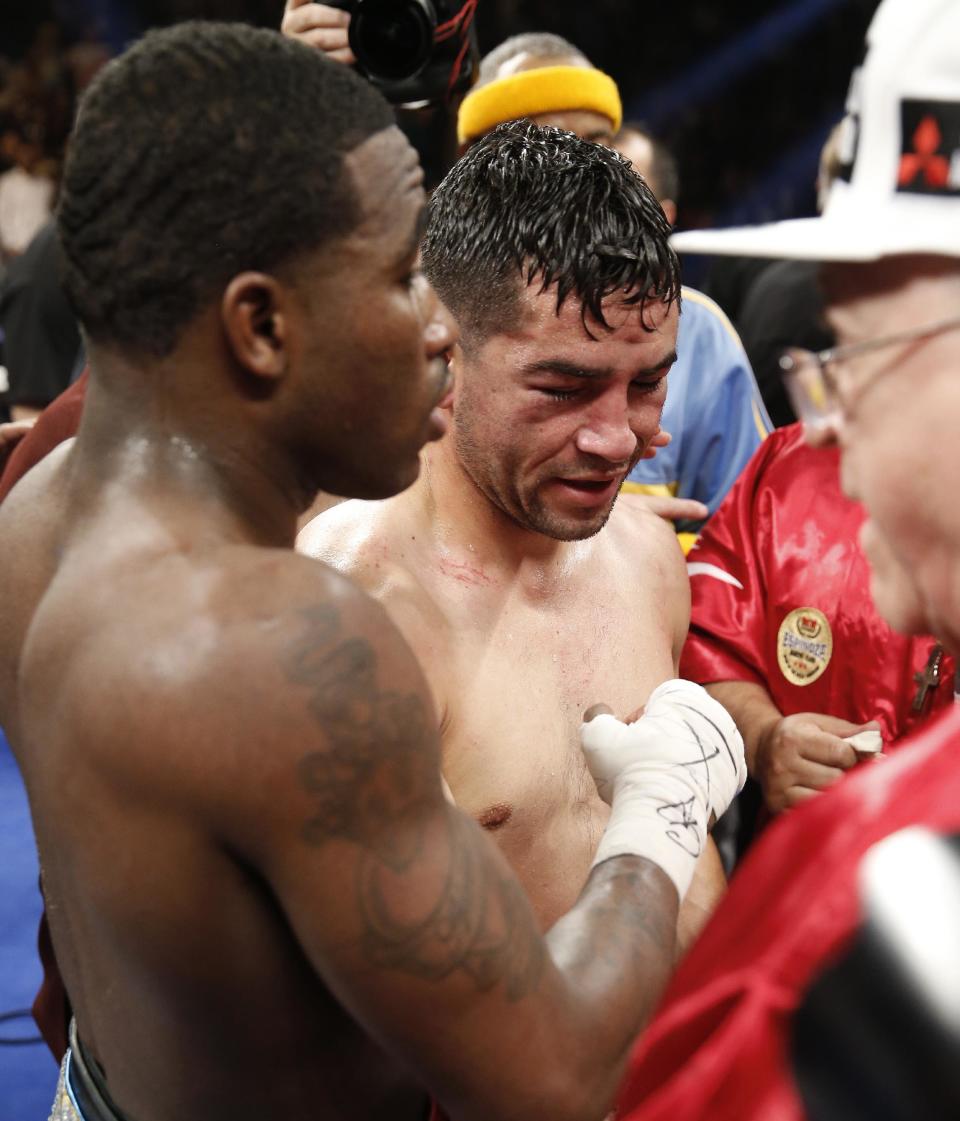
<point x="804" y="645"/>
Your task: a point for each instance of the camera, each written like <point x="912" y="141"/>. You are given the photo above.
<point x="414" y="51"/>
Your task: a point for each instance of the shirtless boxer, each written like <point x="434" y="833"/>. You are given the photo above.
<point x="519" y="610"/>
<point x="261" y="902"/>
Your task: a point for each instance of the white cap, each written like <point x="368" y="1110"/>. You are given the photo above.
<point x="899" y="188"/>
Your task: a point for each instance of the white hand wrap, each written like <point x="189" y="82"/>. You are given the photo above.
<point x="664" y="776"/>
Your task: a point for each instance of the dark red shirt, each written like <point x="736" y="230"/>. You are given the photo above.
<point x="58" y="422"/>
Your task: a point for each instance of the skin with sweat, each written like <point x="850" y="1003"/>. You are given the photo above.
<point x="524" y="597"/>
<point x="261" y="902"/>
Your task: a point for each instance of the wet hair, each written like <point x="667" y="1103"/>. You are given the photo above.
<point x="205" y="150"/>
<point x="537" y="44"/>
<point x="664" y="174"/>
<point x="530" y="204"/>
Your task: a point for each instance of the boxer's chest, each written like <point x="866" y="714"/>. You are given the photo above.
<point x="514" y="700"/>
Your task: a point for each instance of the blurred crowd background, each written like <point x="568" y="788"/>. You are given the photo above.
<point x="742" y="91"/>
<point x="743" y="94"/>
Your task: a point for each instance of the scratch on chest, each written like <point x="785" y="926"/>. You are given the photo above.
<point x="463" y="572"/>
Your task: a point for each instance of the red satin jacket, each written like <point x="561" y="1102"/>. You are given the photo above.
<point x="781" y="597"/>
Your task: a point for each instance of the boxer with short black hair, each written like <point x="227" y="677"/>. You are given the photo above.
<point x="262" y="904"/>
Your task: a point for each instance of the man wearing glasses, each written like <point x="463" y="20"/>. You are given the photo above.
<point x="826" y="985"/>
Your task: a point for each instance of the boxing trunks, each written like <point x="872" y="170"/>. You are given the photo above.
<point x="81" y="1091"/>
<point x="82" y="1094"/>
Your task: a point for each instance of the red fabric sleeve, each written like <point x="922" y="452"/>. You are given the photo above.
<point x="58" y="422"/>
<point x="51" y="1005"/>
<point x="728" y="615"/>
<point x="718" y="1048"/>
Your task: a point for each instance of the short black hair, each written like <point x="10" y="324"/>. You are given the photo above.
<point x="530" y="203"/>
<point x="663" y="164"/>
<point x="205" y="150"/>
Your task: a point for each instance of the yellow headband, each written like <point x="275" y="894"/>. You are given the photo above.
<point x="552" y="89"/>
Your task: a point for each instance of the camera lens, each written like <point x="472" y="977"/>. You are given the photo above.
<point x="392" y="39"/>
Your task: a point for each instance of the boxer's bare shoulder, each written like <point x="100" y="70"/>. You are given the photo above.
<point x="371" y="542"/>
<point x="647" y="544"/>
<point x="389" y="552"/>
<point x="210" y="705"/>
<point x="101" y="599"/>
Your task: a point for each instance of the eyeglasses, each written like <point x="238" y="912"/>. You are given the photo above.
<point x="810" y="378"/>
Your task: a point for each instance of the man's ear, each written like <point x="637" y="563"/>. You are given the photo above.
<point x="254" y="311"/>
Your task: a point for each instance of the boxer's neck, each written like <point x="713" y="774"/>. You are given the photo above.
<point x="143" y="436"/>
<point x="465" y="521"/>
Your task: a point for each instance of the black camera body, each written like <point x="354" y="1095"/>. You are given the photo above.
<point x="414" y="51"/>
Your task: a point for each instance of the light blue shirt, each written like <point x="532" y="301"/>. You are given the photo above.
<point x="713" y="411"/>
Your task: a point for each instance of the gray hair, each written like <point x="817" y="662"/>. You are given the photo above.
<point x="537" y="44"/>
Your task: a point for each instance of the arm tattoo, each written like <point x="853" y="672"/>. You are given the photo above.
<point x="370" y="783"/>
<point x="478" y="923"/>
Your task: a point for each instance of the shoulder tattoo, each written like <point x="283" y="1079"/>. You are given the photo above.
<point x="368" y="784"/>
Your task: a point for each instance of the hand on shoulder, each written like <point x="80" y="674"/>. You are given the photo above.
<point x="665" y="506"/>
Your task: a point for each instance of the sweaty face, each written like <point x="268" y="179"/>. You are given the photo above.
<point x="380" y="334"/>
<point x="548" y="421"/>
<point x="898" y="435"/>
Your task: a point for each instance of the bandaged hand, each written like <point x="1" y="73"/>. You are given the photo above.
<point x="665" y="776"/>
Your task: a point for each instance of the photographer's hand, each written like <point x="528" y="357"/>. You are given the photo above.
<point x="318" y="25"/>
